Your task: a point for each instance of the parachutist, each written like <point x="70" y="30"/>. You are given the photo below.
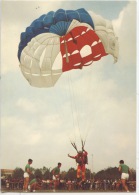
<point x="81" y="159"/>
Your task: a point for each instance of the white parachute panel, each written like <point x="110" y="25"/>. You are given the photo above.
<point x="104" y="30"/>
<point x="37" y="60"/>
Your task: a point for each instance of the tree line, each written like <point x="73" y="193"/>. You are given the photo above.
<point x="45" y="173"/>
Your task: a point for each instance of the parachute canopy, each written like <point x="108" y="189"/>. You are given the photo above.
<point x="62" y="41"/>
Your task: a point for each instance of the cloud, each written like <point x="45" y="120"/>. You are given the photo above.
<point x="18" y="128"/>
<point x="40" y="121"/>
<point x="12" y="26"/>
<point x="125" y="27"/>
<point x="26" y="105"/>
<point x="116" y="115"/>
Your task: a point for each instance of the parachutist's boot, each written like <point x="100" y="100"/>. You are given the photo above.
<point x="79" y="182"/>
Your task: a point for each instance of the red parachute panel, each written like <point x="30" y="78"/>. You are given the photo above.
<point x="72" y="44"/>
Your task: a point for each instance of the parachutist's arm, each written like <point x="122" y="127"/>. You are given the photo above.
<point x="29" y="171"/>
<point x="119" y="169"/>
<point x="71" y="156"/>
<point x="129" y="171"/>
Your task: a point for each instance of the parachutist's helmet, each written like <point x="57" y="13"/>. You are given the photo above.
<point x="80" y="152"/>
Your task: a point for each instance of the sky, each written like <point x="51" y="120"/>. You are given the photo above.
<point x="38" y="123"/>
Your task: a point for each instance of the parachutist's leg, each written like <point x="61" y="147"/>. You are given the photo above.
<point x="83" y="173"/>
<point x="83" y="185"/>
<point x="78" y="172"/>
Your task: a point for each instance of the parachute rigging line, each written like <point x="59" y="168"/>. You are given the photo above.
<point x="74" y="40"/>
<point x="74" y="145"/>
<point x="66" y="51"/>
<point x="73" y="104"/>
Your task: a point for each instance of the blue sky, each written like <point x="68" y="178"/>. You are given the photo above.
<point x="110" y="9"/>
<point x="36" y="123"/>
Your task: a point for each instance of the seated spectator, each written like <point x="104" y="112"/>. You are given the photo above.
<point x="35" y="184"/>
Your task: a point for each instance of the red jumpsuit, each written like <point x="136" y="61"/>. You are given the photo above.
<point x="80" y="159"/>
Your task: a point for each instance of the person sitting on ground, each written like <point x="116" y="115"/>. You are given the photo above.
<point x="35" y="184"/>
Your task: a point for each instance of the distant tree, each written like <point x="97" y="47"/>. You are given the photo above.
<point x="88" y="174"/>
<point x="63" y="174"/>
<point x="113" y="173"/>
<point x="109" y="173"/>
<point x="47" y="174"/>
<point x="132" y="175"/>
<point x="43" y="170"/>
<point x="18" y="173"/>
<point x="32" y="170"/>
<point x="71" y="174"/>
<point x="38" y="172"/>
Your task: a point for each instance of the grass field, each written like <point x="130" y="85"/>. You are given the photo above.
<point x="63" y="191"/>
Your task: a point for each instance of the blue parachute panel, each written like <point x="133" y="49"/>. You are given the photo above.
<point x="60" y="28"/>
<point x="48" y="23"/>
<point x="60" y="15"/>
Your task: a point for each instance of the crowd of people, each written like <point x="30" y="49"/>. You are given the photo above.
<point x="70" y="185"/>
<point x="12" y="183"/>
<point x="81" y="159"/>
<point x="81" y="183"/>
